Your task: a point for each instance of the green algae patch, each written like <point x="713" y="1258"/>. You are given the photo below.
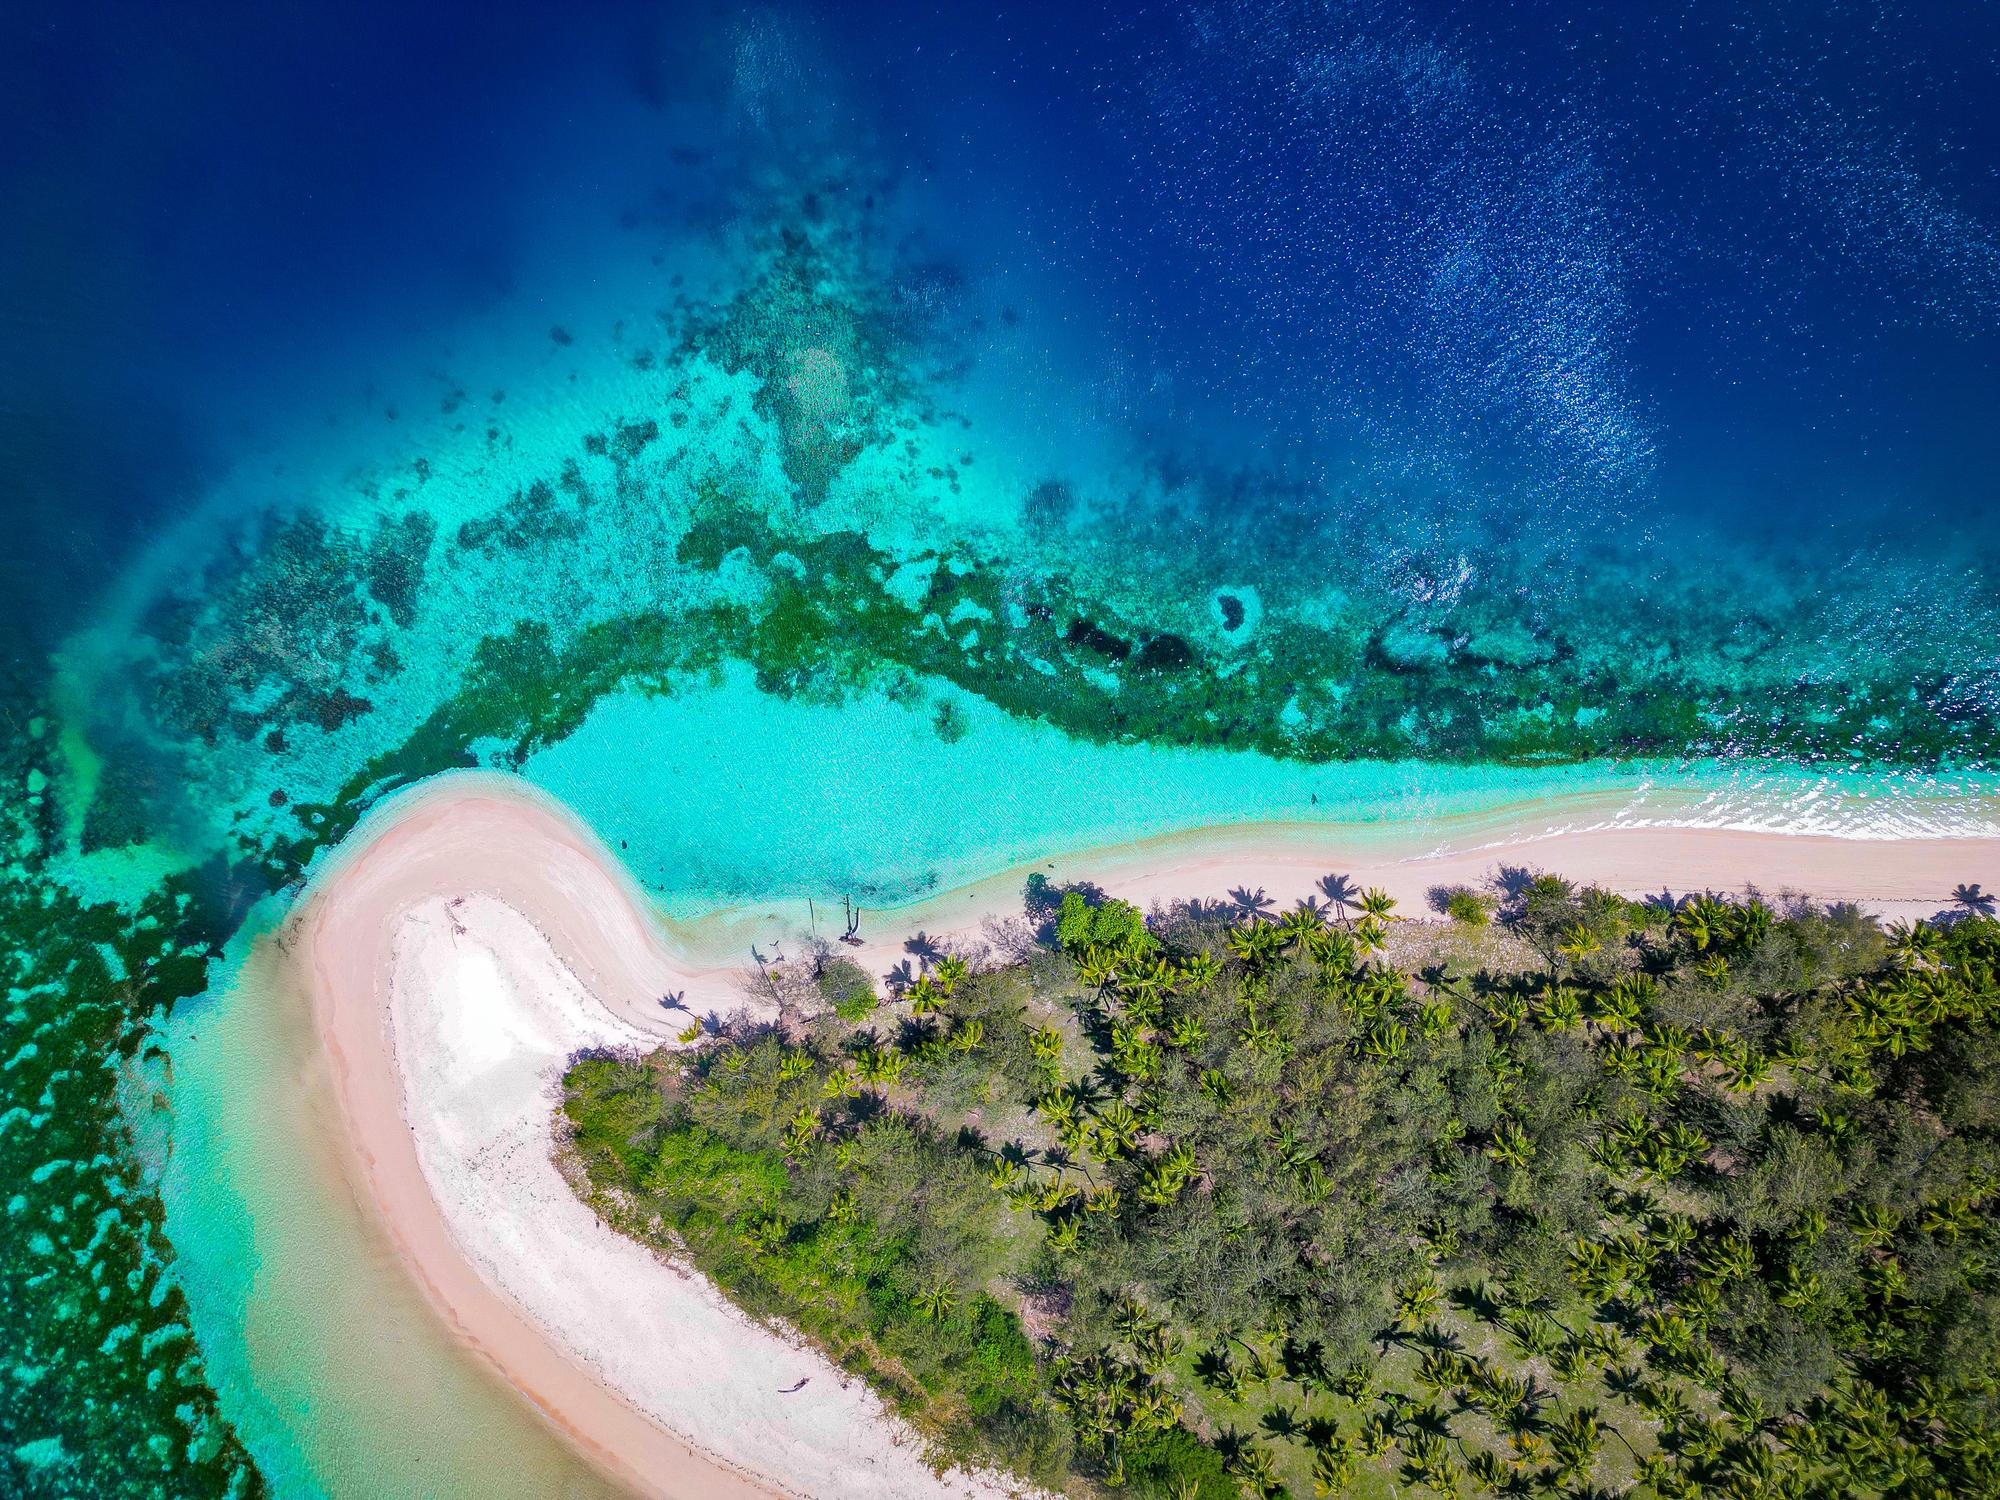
<point x="102" y="1393"/>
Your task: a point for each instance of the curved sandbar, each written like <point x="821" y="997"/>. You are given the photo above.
<point x="471" y="936"/>
<point x="465" y="943"/>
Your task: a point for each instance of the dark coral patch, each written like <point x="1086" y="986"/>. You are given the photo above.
<point x="1103" y="642"/>
<point x="1164" y="653"/>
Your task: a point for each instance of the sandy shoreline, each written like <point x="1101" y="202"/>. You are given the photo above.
<point x="448" y="1015"/>
<point x="1897" y="879"/>
<point x="470" y="935"/>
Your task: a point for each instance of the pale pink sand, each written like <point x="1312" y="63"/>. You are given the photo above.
<point x="471" y="935"/>
<point x="459" y="949"/>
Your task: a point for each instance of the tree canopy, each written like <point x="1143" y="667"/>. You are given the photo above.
<point x="1690" y="1199"/>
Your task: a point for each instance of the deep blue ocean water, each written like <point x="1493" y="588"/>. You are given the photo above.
<point x="1601" y="266"/>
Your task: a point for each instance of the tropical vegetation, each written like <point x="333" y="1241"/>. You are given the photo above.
<point x="1670" y="1199"/>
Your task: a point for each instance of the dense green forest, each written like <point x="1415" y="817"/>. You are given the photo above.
<point x="1562" y="1194"/>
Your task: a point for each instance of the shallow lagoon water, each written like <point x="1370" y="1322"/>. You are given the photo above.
<point x="338" y="1374"/>
<point x="728" y="795"/>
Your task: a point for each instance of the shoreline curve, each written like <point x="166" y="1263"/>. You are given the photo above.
<point x="386" y="939"/>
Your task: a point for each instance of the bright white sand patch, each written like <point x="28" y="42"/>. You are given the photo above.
<point x="459" y="956"/>
<point x="485" y="1018"/>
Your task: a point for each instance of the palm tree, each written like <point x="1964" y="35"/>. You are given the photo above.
<point x="1577" y="1437"/>
<point x="1145" y="983"/>
<point x="794" y="1065"/>
<point x="1054" y="1195"/>
<point x="1333" y="1465"/>
<point x="1949" y="1217"/>
<point x="1506" y="1010"/>
<point x="1440" y="1370"/>
<point x="1801" y="1289"/>
<point x="1874" y="1224"/>
<point x="1620" y="1007"/>
<point x="1096" y="971"/>
<point x="1377" y="903"/>
<point x="1118" y="1127"/>
<point x="1417" y="1302"/>
<point x="1729" y="1258"/>
<point x="1560" y="1009"/>
<point x="1332" y="949"/>
<point x="1255" y="943"/>
<point x="799" y="1133"/>
<point x="763" y="1235"/>
<point x="1434" y="1019"/>
<point x="924" y="997"/>
<point x="1916" y="944"/>
<point x="1302" y="921"/>
<point x="1429" y="1460"/>
<point x="1162" y="1180"/>
<point x="1532" y="1333"/>
<point x="1378" y="1434"/>
<point x="1198" y="971"/>
<point x="1257" y="1035"/>
<point x="1672" y="1149"/>
<point x="1595" y="1272"/>
<point x="1744" y="1069"/>
<point x="1511" y="1146"/>
<point x="880" y="1067"/>
<point x="1255" y="1468"/>
<point x="1579" y="943"/>
<point x="1672" y="1232"/>
<point x="1753" y="1469"/>
<point x="1387" y="1041"/>
<point x="1696" y="921"/>
<point x="1058" y="1107"/>
<point x="1667" y="1330"/>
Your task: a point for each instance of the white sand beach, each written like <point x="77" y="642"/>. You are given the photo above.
<point x="465" y="947"/>
<point x="470" y="937"/>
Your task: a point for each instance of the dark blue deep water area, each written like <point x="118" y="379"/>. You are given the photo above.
<point x="1572" y="260"/>
<point x="1545" y="381"/>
